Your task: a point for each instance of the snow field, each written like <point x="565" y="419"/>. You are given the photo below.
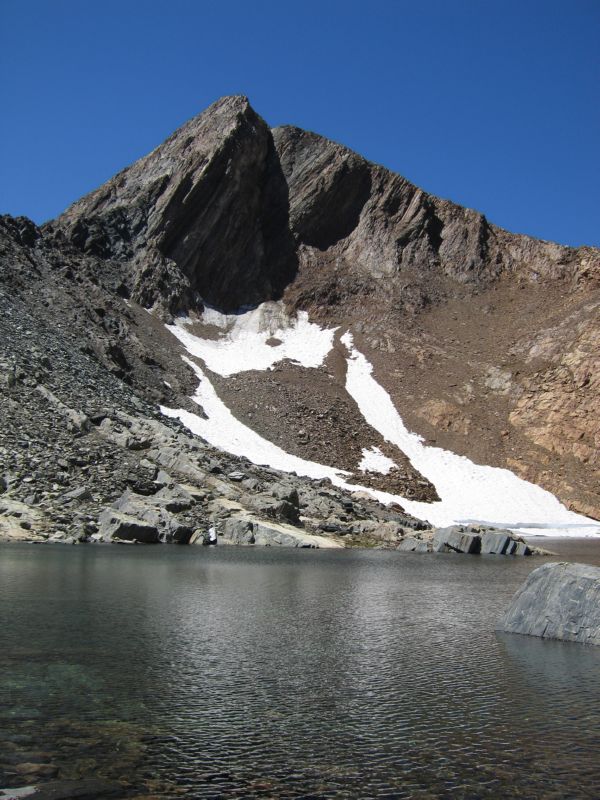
<point x="244" y="347"/>
<point x="373" y="460"/>
<point x="469" y="492"/>
<point x="224" y="431"/>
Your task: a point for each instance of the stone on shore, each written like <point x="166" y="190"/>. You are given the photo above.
<point x="414" y="545"/>
<point x="86" y="789"/>
<point x="479" y="539"/>
<point x="246" y="530"/>
<point x="557" y="601"/>
<point x="115" y="526"/>
<point x="456" y="539"/>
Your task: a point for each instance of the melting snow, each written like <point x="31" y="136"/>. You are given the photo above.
<point x="469" y="492"/>
<point x="243" y="345"/>
<point x="223" y="430"/>
<point x="257" y="339"/>
<point x="373" y="460"/>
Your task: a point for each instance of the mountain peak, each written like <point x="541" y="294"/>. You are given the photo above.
<point x="466" y="325"/>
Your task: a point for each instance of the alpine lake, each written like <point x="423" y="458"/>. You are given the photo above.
<point x="228" y="672"/>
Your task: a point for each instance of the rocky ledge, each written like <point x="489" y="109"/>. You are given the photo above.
<point x="557" y="601"/>
<point x="469" y="539"/>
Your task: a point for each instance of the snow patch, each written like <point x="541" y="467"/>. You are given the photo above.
<point x="224" y="431"/>
<point x="373" y="460"/>
<point x="255" y="339"/>
<point x="469" y="492"/>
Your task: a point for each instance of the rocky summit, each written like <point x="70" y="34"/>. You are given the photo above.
<point x="485" y="341"/>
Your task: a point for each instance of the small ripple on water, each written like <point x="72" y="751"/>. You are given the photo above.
<point x="294" y="676"/>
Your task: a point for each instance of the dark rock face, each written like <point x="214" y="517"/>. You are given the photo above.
<point x="229" y="212"/>
<point x="474" y="539"/>
<point x="375" y="223"/>
<point x="329" y="186"/>
<point x="469" y="539"/>
<point x="557" y="601"/>
<point x="205" y="215"/>
<point x="117" y="526"/>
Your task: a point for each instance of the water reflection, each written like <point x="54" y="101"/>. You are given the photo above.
<point x="260" y="673"/>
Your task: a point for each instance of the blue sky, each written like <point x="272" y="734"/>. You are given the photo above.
<point x="493" y="104"/>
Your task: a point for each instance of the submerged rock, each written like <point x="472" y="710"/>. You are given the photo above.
<point x="88" y="789"/>
<point x="557" y="601"/>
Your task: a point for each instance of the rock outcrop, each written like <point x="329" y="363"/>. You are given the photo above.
<point x="356" y="218"/>
<point x="557" y="601"/>
<point x="470" y="540"/>
<point x="205" y="215"/>
<point x="114" y="526"/>
<point x="247" y="530"/>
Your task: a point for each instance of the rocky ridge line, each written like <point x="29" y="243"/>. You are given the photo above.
<point x="228" y="212"/>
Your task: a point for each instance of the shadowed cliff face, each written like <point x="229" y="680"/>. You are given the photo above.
<point x="205" y="215"/>
<point x="329" y="186"/>
<point x="484" y="338"/>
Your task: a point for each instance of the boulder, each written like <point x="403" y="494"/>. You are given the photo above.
<point x="495" y="542"/>
<point x="270" y="535"/>
<point x="175" y="532"/>
<point x="154" y="511"/>
<point x="412" y="545"/>
<point x="521" y="548"/>
<point x="116" y="526"/>
<point x="20" y="522"/>
<point x="238" y="531"/>
<point x="283" y="491"/>
<point x="175" y="499"/>
<point x="316" y="506"/>
<point x="481" y="539"/>
<point x="252" y="531"/>
<point x="456" y="539"/>
<point x="76" y="495"/>
<point x="268" y="506"/>
<point x="557" y="601"/>
<point x="236" y="476"/>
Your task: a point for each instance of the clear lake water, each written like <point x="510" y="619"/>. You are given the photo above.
<point x="271" y="673"/>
